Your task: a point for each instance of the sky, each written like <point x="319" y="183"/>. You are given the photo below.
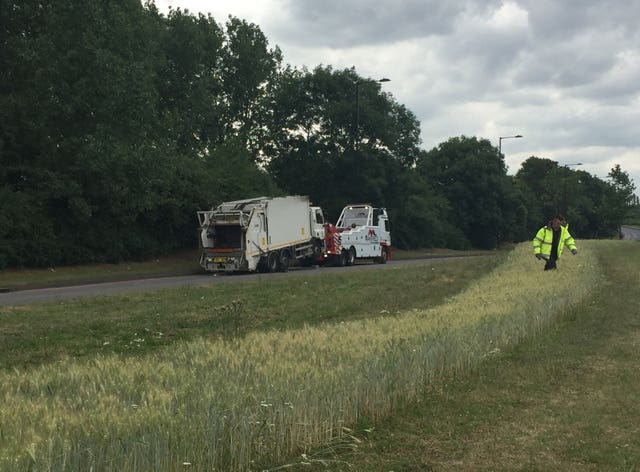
<point x="564" y="74"/>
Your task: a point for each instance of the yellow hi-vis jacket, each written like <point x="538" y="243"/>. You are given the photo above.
<point x="543" y="240"/>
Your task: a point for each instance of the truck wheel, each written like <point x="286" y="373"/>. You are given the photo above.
<point x="350" y="256"/>
<point x="340" y="259"/>
<point x="272" y="262"/>
<point x="383" y="256"/>
<point x="283" y="263"/>
<point x="306" y="262"/>
<point x="317" y="250"/>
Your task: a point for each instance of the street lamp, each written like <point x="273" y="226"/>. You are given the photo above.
<point x="505" y="137"/>
<point x="357" y="133"/>
<point x="564" y="187"/>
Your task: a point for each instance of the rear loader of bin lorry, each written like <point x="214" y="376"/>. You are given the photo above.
<point x="361" y="232"/>
<point x="260" y="234"/>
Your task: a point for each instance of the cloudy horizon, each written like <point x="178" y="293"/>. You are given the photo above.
<point x="563" y="74"/>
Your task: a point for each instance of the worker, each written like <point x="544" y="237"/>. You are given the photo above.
<point x="550" y="241"/>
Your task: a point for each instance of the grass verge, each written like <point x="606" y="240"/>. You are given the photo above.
<point x="174" y="264"/>
<point x="563" y="401"/>
<point x="225" y="403"/>
<point x="136" y="324"/>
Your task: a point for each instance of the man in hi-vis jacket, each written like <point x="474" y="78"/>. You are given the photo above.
<point x="551" y="239"/>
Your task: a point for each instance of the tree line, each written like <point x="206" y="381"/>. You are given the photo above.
<point x="117" y="123"/>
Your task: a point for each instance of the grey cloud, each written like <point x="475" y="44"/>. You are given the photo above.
<point x="484" y="52"/>
<point x="582" y="49"/>
<point x="582" y="71"/>
<point x="336" y="23"/>
<point x="620" y="89"/>
<point x="564" y="65"/>
<point x="557" y="19"/>
<point x="566" y="125"/>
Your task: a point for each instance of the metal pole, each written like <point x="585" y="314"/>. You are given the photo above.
<point x="505" y="137"/>
<point x="357" y="130"/>
<point x="357" y="138"/>
<point x="566" y="177"/>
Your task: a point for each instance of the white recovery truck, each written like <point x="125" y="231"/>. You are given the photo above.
<point x="361" y="232"/>
<point x="261" y="233"/>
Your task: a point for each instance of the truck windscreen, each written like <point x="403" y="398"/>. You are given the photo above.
<point x="354" y="217"/>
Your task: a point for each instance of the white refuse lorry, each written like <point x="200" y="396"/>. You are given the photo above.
<point x="262" y="233"/>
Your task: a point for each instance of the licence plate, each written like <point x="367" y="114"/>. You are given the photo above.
<point x="219" y="260"/>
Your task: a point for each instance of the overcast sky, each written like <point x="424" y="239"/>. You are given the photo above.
<point x="565" y="74"/>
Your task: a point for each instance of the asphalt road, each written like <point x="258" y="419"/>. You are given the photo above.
<point x="24" y="297"/>
<point x="630" y="232"/>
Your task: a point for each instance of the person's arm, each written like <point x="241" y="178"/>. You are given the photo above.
<point x="537" y="243"/>
<point x="571" y="244"/>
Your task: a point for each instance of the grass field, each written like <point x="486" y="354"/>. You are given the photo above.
<point x="371" y="349"/>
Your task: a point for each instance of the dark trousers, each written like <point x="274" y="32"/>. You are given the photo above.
<point x="550" y="265"/>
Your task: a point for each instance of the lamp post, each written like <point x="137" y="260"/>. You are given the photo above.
<point x="357" y="83"/>
<point x="505" y="137"/>
<point x="564" y="187"/>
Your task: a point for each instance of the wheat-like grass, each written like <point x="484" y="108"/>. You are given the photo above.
<point x="219" y="405"/>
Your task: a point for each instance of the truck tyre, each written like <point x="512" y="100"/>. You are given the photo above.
<point x="283" y="262"/>
<point x="272" y="262"/>
<point x="306" y="262"/>
<point x="340" y="259"/>
<point x="383" y="256"/>
<point x="317" y="250"/>
<point x="350" y="256"/>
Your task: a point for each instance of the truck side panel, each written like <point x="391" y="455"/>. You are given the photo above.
<point x="287" y="222"/>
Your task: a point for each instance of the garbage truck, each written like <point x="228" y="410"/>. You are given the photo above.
<point x="261" y="234"/>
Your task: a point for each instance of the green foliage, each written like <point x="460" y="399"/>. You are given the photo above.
<point x="472" y="176"/>
<point x="112" y="118"/>
<point x="594" y="207"/>
<point x="339" y="139"/>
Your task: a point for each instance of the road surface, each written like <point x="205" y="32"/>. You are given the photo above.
<point x="24" y="297"/>
<point x="630" y="232"/>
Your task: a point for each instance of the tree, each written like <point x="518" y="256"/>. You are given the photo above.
<point x="594" y="207"/>
<point x="471" y="175"/>
<point x="249" y="74"/>
<point x="623" y="184"/>
<point x="109" y="114"/>
<point x="188" y="80"/>
<point x="313" y="131"/>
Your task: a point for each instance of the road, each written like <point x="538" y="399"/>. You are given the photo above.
<point x="24" y="297"/>
<point x="630" y="232"/>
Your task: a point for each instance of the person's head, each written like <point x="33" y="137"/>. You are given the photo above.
<point x="556" y="222"/>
